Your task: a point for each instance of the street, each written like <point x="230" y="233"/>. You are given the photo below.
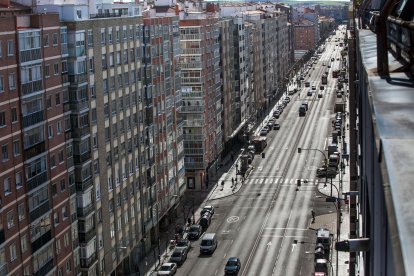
<point x="268" y="223"/>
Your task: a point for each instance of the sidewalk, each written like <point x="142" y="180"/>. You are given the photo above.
<point x="342" y="183"/>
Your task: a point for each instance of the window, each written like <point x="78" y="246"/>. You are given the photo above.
<point x="64" y="66"/>
<point x="68" y="266"/>
<point x="54" y="189"/>
<point x="12" y="81"/>
<point x="56" y="218"/>
<point x="4" y="153"/>
<point x="64" y="213"/>
<point x="53" y="161"/>
<point x="66" y="239"/>
<point x="1" y="50"/>
<point x="90" y="39"/>
<point x="23" y="244"/>
<point x="47" y="71"/>
<point x="7" y="190"/>
<point x="1" y="83"/>
<point x="46" y="40"/>
<point x="58" y="247"/>
<point x="55" y="39"/>
<point x="91" y="67"/>
<point x="79" y="14"/>
<point x="61" y="159"/>
<point x="57" y="98"/>
<point x="21" y="211"/>
<point x="2" y="119"/>
<point x="18" y="180"/>
<point x="110" y="36"/>
<point x="56" y="69"/>
<point x="13" y="255"/>
<point x="10" y="219"/>
<point x="59" y="128"/>
<point x="10" y="48"/>
<point x="14" y="114"/>
<point x="49" y="102"/>
<point x="62" y="185"/>
<point x="50" y="131"/>
<point x="16" y="148"/>
<point x="103" y="37"/>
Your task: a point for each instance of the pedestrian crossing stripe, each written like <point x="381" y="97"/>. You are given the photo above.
<point x="282" y="181"/>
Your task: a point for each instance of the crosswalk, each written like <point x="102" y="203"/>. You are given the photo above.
<point x="280" y="181"/>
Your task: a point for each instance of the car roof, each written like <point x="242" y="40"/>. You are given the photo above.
<point x="179" y="249"/>
<point x="167" y="264"/>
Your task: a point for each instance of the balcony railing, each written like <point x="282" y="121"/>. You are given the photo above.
<point x="31" y="87"/>
<point x="33" y="118"/>
<point x="79" y="159"/>
<point x="78" y="79"/>
<point x="37" y="244"/>
<point x="34" y="150"/>
<point x="36" y="181"/>
<point x="83" y="212"/>
<point x="87" y="236"/>
<point x="3" y="270"/>
<point x="87" y="262"/>
<point x="80" y="132"/>
<point x="30" y="55"/>
<point x="39" y="211"/>
<point x="45" y="269"/>
<point x="84" y="185"/>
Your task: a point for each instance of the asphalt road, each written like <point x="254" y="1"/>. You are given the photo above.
<point x="261" y="223"/>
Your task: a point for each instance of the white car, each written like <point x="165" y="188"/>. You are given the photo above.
<point x="167" y="269"/>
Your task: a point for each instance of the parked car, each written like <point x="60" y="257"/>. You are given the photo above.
<point x="167" y="269"/>
<point x="205" y="220"/>
<point x="178" y="256"/>
<point x="309" y="93"/>
<point x="194" y="231"/>
<point x="263" y="132"/>
<point x="180" y="229"/>
<point x="184" y="244"/>
<point x="207" y="208"/>
<point x="270" y="124"/>
<point x="313" y="87"/>
<point x="320" y="95"/>
<point x="232" y="266"/>
<point x="323" y="172"/>
<point x="276" y="126"/>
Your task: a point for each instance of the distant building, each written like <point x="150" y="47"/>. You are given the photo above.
<point x="304" y="35"/>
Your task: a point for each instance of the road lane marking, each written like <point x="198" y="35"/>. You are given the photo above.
<point x="268" y="245"/>
<point x="281" y="236"/>
<point x="282" y="228"/>
<point x="225" y="254"/>
<point x="232" y="219"/>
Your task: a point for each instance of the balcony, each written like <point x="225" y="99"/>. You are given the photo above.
<point x="85" y="263"/>
<point x="78" y="79"/>
<point x="84" y="211"/>
<point x="39" y="211"/>
<point x="84" y="185"/>
<point x="72" y="189"/>
<point x="192" y="109"/>
<point x="33" y="118"/>
<point x="45" y="268"/>
<point x="45" y="238"/>
<point x="80" y="132"/>
<point x="29" y="55"/>
<point x="80" y="105"/>
<point x="3" y="270"/>
<point x="36" y="181"/>
<point x="69" y="161"/>
<point x="34" y="150"/>
<point x="31" y="87"/>
<point x="79" y="159"/>
<point x="194" y="165"/>
<point x="86" y="236"/>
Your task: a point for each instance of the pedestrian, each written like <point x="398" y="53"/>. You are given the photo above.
<point x="222" y="183"/>
<point x="313" y="216"/>
<point x="232" y="181"/>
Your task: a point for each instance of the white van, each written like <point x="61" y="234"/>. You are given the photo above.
<point x="208" y="243"/>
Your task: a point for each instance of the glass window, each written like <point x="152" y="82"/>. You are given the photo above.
<point x="10" y="48"/>
<point x="12" y="81"/>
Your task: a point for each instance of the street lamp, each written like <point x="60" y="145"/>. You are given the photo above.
<point x="326" y="163"/>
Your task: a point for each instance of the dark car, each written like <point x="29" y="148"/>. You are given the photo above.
<point x="320" y="95"/>
<point x="232" y="266"/>
<point x="276" y="126"/>
<point x="183" y="244"/>
<point x="194" y="231"/>
<point x="205" y="220"/>
<point x="322" y="172"/>
<point x="309" y="93"/>
<point x="207" y="208"/>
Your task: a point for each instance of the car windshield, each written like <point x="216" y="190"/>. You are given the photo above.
<point x="231" y="263"/>
<point x="181" y="243"/>
<point x="193" y="229"/>
<point x="206" y="242"/>
<point x="165" y="268"/>
<point x="176" y="254"/>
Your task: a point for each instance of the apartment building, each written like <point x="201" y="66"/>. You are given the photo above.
<point x="35" y="221"/>
<point x="304" y="35"/>
<point x="201" y="94"/>
<point x="162" y="97"/>
<point x="226" y="39"/>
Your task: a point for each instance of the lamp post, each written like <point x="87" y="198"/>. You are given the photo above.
<point x="326" y="163"/>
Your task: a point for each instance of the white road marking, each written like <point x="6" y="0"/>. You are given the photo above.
<point x="268" y="245"/>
